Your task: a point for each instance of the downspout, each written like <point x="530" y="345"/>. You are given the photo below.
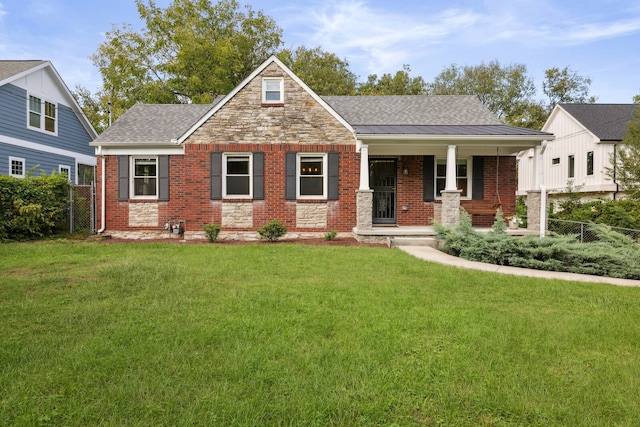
<point x="103" y="208"/>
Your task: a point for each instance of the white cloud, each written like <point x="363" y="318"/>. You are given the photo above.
<point x="384" y="40"/>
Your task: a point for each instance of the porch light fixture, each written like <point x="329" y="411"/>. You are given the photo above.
<point x="405" y="170"/>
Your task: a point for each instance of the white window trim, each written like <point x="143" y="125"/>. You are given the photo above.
<point x="24" y="166"/>
<point x="264" y="90"/>
<point x="225" y="156"/>
<point x="41" y="128"/>
<point x="325" y="176"/>
<point x="469" y="177"/>
<point x="68" y="168"/>
<point x="132" y="177"/>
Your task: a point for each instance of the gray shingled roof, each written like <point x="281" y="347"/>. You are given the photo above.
<point x="606" y="121"/>
<point x="448" y="110"/>
<point x="11" y="68"/>
<point x="153" y="123"/>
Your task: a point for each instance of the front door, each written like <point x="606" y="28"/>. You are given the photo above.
<point x="383" y="183"/>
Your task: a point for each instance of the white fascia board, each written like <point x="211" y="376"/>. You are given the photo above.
<point x="80" y="158"/>
<point x="73" y="103"/>
<point x="246" y="81"/>
<point x="458" y="139"/>
<point x="139" y="151"/>
<point x="556" y="111"/>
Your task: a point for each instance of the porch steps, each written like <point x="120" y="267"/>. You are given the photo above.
<point x="396" y="241"/>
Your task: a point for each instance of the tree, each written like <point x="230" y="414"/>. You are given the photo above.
<point x="187" y="53"/>
<point x="636" y="99"/>
<point x="626" y="165"/>
<point x="323" y="72"/>
<point x="566" y="86"/>
<point x="507" y="91"/>
<point x="401" y="83"/>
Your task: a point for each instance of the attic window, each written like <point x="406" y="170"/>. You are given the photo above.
<point x="37" y="119"/>
<point x="272" y="91"/>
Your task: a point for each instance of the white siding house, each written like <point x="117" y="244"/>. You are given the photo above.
<point x="586" y="138"/>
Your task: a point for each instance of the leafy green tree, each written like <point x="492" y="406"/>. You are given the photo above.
<point x="323" y="72"/>
<point x="401" y="83"/>
<point x="507" y="91"/>
<point x="627" y="163"/>
<point x="566" y="86"/>
<point x="636" y="99"/>
<point x="186" y="53"/>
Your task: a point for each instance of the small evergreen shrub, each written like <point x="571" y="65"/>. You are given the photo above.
<point x="330" y="235"/>
<point x="612" y="254"/>
<point x="273" y="230"/>
<point x="211" y="231"/>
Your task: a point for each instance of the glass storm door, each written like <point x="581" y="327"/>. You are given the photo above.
<point x="383" y="183"/>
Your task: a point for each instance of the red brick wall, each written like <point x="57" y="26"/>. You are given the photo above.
<point x="189" y="189"/>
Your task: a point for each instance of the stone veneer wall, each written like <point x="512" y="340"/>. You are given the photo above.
<point x="237" y="215"/>
<point x="143" y="214"/>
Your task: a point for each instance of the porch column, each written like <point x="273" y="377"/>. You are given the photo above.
<point x="450" y="183"/>
<point x="364" y="195"/>
<point x="451" y="194"/>
<point x="536" y="197"/>
<point x="364" y="167"/>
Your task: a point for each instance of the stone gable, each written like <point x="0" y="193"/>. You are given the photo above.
<point x="245" y="120"/>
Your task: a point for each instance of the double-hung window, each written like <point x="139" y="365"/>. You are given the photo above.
<point x="462" y="176"/>
<point x="42" y="114"/>
<point x="571" y="172"/>
<point x="65" y="170"/>
<point x="272" y="90"/>
<point x="312" y="176"/>
<point x="590" y="163"/>
<point x="144" y="177"/>
<point x="16" y="167"/>
<point x="237" y="180"/>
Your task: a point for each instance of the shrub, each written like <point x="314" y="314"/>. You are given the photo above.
<point x="330" y="235"/>
<point x="613" y="254"/>
<point x="32" y="207"/>
<point x="273" y="230"/>
<point x="211" y="231"/>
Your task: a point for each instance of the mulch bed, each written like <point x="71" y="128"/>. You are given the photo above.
<point x="341" y="241"/>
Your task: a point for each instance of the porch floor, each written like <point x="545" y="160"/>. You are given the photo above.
<point x="416" y="235"/>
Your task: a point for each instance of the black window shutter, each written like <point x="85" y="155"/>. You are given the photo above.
<point x="478" y="178"/>
<point x="123" y="177"/>
<point x="290" y="176"/>
<point x="258" y="176"/>
<point x="428" y="180"/>
<point x="216" y="176"/>
<point x="334" y="162"/>
<point x="163" y="178"/>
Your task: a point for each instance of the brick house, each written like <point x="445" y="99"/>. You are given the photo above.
<point x="273" y="149"/>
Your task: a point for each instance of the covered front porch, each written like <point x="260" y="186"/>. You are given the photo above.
<point x="410" y="182"/>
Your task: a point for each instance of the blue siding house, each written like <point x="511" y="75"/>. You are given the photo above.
<point x="42" y="127"/>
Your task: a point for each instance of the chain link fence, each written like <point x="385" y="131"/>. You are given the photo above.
<point x="584" y="230"/>
<point x="81" y="212"/>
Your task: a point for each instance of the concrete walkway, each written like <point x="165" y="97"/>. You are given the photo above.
<point x="431" y="254"/>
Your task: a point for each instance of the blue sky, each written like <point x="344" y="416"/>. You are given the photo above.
<point x="598" y="39"/>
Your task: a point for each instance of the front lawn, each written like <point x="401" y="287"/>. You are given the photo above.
<point x="285" y="334"/>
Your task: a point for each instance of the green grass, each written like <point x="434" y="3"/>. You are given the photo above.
<point x="281" y="334"/>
